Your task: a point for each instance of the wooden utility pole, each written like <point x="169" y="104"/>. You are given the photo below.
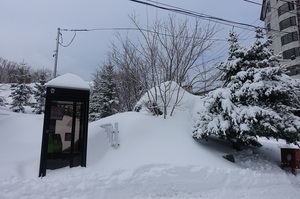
<point x="56" y="53"/>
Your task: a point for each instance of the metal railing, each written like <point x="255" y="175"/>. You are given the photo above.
<point x="112" y="132"/>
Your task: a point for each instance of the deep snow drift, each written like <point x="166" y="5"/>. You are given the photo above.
<point x="157" y="158"/>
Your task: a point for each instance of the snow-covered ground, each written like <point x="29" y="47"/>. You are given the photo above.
<point x="157" y="158"/>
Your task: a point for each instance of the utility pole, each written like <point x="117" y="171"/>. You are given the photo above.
<point x="56" y="53"/>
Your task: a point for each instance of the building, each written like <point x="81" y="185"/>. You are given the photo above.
<point x="281" y="19"/>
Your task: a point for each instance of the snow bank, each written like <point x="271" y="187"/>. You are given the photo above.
<point x="20" y="144"/>
<point x="146" y="140"/>
<point x="157" y="158"/>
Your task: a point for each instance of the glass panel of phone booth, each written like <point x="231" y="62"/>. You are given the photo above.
<point x="64" y="134"/>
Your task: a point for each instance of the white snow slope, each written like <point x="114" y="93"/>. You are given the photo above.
<point x="156" y="158"/>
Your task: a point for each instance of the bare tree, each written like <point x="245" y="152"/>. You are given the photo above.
<point x="167" y="51"/>
<point x="7" y="71"/>
<point x="175" y="47"/>
<point x="41" y="72"/>
<point x="131" y="78"/>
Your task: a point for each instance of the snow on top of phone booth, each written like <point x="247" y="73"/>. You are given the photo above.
<point x="70" y="81"/>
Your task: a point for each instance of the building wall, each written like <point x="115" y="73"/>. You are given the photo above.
<point x="285" y="41"/>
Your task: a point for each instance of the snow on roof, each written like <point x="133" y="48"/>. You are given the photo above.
<point x="70" y="81"/>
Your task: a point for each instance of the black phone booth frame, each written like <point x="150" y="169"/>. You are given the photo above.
<point x="64" y="140"/>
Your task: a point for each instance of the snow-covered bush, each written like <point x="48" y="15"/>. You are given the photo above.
<point x="150" y="106"/>
<point x="257" y="98"/>
<point x="164" y="100"/>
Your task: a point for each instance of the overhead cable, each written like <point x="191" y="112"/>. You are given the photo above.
<point x="192" y="13"/>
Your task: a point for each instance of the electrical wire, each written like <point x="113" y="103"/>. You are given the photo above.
<point x="177" y="10"/>
<point x="61" y="43"/>
<point x="274" y="8"/>
<point x="224" y="46"/>
<point x="173" y="8"/>
<point x="271" y="14"/>
<point x="201" y="15"/>
<point x="122" y="29"/>
<point x="195" y="14"/>
<point x="253" y="2"/>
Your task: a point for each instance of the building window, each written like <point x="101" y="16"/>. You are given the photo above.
<point x="293" y="70"/>
<point x="291" y="53"/>
<point x="288" y="38"/>
<point x="291" y="21"/>
<point x="286" y="8"/>
<point x="268" y="7"/>
<point x="268" y="27"/>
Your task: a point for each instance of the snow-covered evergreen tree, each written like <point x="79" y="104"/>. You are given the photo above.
<point x="104" y="98"/>
<point x="2" y="100"/>
<point x="20" y="90"/>
<point x="40" y="94"/>
<point x="108" y="95"/>
<point x="94" y="106"/>
<point x="257" y="98"/>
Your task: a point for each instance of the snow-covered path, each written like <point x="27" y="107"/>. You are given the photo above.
<point x="153" y="181"/>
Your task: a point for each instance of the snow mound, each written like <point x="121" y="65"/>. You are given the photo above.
<point x="149" y="140"/>
<point x="168" y="94"/>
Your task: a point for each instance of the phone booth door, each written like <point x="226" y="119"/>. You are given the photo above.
<point x="64" y="134"/>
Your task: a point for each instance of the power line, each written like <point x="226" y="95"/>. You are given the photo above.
<point x="291" y="12"/>
<point x="209" y="17"/>
<point x="171" y="6"/>
<point x="126" y="29"/>
<point x="168" y="8"/>
<point x="61" y="43"/>
<point x="260" y="4"/>
<point x="60" y="37"/>
<point x="201" y="15"/>
<point x="273" y="15"/>
<point x="195" y="14"/>
<point x="253" y="2"/>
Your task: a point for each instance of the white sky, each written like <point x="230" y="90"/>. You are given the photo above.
<point x="29" y="28"/>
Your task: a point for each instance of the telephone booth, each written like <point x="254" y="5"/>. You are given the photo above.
<point x="64" y="140"/>
<point x="290" y="157"/>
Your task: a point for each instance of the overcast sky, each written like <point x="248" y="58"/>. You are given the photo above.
<point x="29" y="28"/>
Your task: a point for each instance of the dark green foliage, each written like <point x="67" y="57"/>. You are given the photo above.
<point x="20" y="90"/>
<point x="104" y="101"/>
<point x="108" y="96"/>
<point x="40" y="94"/>
<point x="257" y="98"/>
<point x="95" y="107"/>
